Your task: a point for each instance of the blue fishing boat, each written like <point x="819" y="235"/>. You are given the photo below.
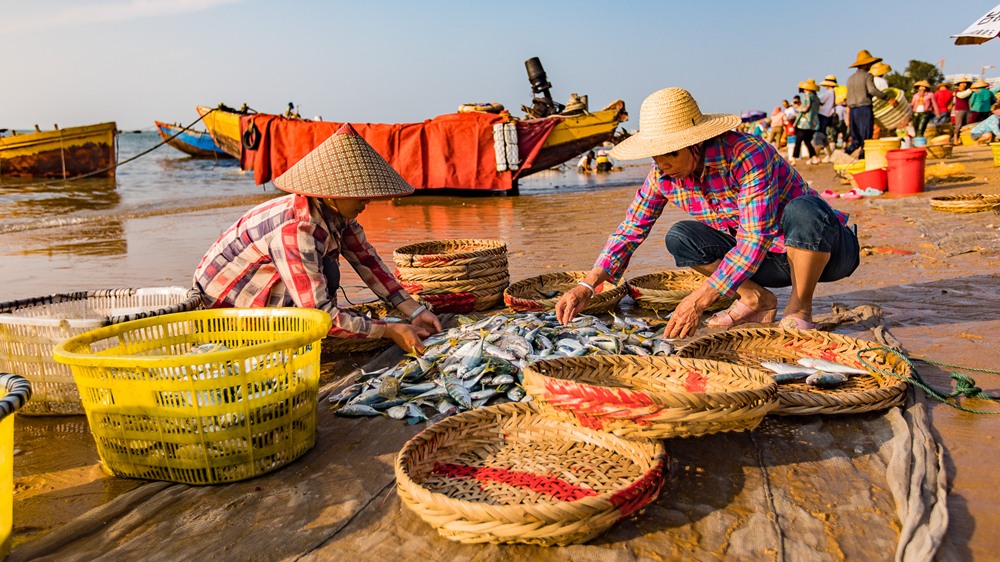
<point x="195" y="143"/>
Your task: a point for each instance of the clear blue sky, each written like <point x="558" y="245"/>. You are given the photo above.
<point x="133" y="61"/>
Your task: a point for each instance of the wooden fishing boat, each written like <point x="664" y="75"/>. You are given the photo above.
<point x="223" y="124"/>
<point x="196" y="143"/>
<point x="65" y="153"/>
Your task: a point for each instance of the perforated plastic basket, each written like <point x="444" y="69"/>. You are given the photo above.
<point x="160" y="413"/>
<point x="16" y="392"/>
<point x="30" y="328"/>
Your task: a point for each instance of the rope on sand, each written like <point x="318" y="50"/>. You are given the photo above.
<point x="101" y="171"/>
<point x="965" y="385"/>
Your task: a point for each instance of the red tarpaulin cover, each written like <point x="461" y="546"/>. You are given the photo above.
<point x="449" y="151"/>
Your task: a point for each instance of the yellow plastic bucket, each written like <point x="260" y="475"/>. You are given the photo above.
<point x="875" y="150"/>
<point x="889" y="117"/>
<point x="159" y="412"/>
<point x="996" y="153"/>
<point x="966" y="139"/>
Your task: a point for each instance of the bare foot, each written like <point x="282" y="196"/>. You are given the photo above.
<point x="759" y="300"/>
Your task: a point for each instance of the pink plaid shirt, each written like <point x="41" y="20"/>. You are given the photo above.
<point x="280" y="253"/>
<point x="743" y="191"/>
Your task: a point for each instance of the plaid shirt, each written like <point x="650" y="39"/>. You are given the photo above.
<point x="282" y="252"/>
<point x="743" y="191"/>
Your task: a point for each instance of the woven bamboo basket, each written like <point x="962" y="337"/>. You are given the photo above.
<point x="450" y="287"/>
<point x="442" y="253"/>
<point x="474" y="301"/>
<point x="666" y="290"/>
<point x="31" y="328"/>
<point x="506" y="474"/>
<point x="651" y="397"/>
<point x="966" y="203"/>
<point x="528" y="295"/>
<point x="453" y="273"/>
<point x="374" y="310"/>
<point x="939" y="152"/>
<point x="861" y="393"/>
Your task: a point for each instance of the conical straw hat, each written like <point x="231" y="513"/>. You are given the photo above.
<point x="830" y="80"/>
<point x="923" y="83"/>
<point x="864" y="57"/>
<point x="810" y="85"/>
<point x="670" y="120"/>
<point x="880" y="69"/>
<point x="344" y="166"/>
<point x="980" y="83"/>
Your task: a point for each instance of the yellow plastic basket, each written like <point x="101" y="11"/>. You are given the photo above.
<point x="158" y="413"/>
<point x="16" y="392"/>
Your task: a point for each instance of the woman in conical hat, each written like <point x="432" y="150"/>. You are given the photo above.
<point x="758" y="224"/>
<point x="286" y="252"/>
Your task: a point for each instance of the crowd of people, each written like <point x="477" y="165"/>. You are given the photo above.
<point x="831" y="115"/>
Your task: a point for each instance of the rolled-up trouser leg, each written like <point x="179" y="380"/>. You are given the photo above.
<point x="693" y="243"/>
<point x="810" y="224"/>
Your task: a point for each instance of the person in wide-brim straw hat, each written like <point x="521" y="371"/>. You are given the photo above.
<point x="285" y="252"/>
<point x="807" y="122"/>
<point x="830" y="81"/>
<point x="925" y="106"/>
<point x="865" y="59"/>
<point x="758" y="223"/>
<point x="862" y="86"/>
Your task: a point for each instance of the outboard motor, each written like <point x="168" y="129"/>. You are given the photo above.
<point x="540" y="106"/>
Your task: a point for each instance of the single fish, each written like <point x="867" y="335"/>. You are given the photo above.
<point x="826" y="380"/>
<point x="458" y="392"/>
<point x="494" y="351"/>
<point x="357" y="410"/>
<point x="503" y="379"/>
<point x="367" y="398"/>
<point x="383" y="406"/>
<point x="661" y="347"/>
<point x="397" y="412"/>
<point x="515" y="394"/>
<point x="636" y="350"/>
<point x="830" y="366"/>
<point x="347" y="393"/>
<point x="786" y="369"/>
<point x="786" y="377"/>
<point x="414" y="411"/>
<point x="485" y="393"/>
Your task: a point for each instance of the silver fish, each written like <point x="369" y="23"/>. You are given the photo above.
<point x="830" y="366"/>
<point x="347" y="393"/>
<point x="367" y="398"/>
<point x="458" y="392"/>
<point x="786" y="377"/>
<point x="515" y="393"/>
<point x="485" y="393"/>
<point x="397" y="412"/>
<point x="636" y="350"/>
<point x="495" y="351"/>
<point x="414" y="411"/>
<point x="823" y="379"/>
<point x="661" y="347"/>
<point x="357" y="410"/>
<point x="786" y="369"/>
<point x="503" y="379"/>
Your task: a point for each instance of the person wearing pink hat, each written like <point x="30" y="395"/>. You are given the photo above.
<point x="285" y="252"/>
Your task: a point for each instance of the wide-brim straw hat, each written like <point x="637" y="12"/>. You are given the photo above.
<point x="864" y="57"/>
<point x="670" y="120"/>
<point x="965" y="80"/>
<point x="830" y="81"/>
<point x="344" y="166"/>
<point x="980" y="84"/>
<point x="945" y="84"/>
<point x="880" y="69"/>
<point x="923" y="83"/>
<point x="810" y="85"/>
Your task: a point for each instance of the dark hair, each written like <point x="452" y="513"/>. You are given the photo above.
<point x="797" y="98"/>
<point x="785" y="101"/>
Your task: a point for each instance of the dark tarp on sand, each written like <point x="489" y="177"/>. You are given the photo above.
<point x="867" y="486"/>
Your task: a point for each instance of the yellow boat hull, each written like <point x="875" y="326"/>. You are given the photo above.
<point x="65" y="153"/>
<point x="224" y="126"/>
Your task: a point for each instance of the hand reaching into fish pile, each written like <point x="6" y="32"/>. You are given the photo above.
<point x="482" y="361"/>
<point x="817" y="372"/>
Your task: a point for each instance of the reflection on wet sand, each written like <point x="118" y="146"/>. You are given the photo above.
<point x="88" y="240"/>
<point x="44" y="201"/>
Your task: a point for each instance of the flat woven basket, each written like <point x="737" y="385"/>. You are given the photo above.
<point x="861" y="393"/>
<point x="651" y="397"/>
<point x="528" y="295"/>
<point x="453" y="273"/>
<point x="159" y="412"/>
<point x="31" y="328"/>
<point x="442" y="253"/>
<point x="666" y="290"/>
<point x="506" y="474"/>
<point x="939" y="152"/>
<point x="966" y="203"/>
<point x="451" y="287"/>
<point x="474" y="301"/>
<point x="375" y="310"/>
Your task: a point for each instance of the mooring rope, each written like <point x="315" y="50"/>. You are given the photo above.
<point x="94" y="173"/>
<point x="965" y="385"/>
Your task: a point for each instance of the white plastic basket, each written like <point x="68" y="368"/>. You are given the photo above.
<point x="31" y="328"/>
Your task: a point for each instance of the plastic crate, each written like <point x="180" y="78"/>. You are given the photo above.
<point x="30" y="328"/>
<point x="158" y="412"/>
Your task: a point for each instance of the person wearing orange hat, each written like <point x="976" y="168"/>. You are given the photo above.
<point x="860" y="90"/>
<point x="285" y="252"/>
<point x="757" y="223"/>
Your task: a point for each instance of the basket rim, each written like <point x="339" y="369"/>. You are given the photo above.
<point x="191" y="298"/>
<point x="614" y="294"/>
<point x="592" y="504"/>
<point x="480" y="247"/>
<point x="62" y="353"/>
<point x="738" y="396"/>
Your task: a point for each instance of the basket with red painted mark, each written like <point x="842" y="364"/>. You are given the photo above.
<point x="651" y="397"/>
<point x="666" y="289"/>
<point x="541" y="293"/>
<point x="506" y="474"/>
<point x="861" y="393"/>
<point x="473" y="301"/>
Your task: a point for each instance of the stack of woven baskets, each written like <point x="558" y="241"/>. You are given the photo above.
<point x="454" y="275"/>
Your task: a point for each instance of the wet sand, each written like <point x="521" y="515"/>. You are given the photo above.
<point x="939" y="305"/>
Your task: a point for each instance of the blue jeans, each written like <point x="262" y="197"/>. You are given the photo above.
<point x="807" y="222"/>
<point x="942" y="118"/>
<point x="862" y="128"/>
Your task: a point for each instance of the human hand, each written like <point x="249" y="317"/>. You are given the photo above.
<point x="428" y="321"/>
<point x="571" y="303"/>
<point x="685" y="318"/>
<point x="407" y="336"/>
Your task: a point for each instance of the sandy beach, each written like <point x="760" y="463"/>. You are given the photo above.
<point x="936" y="276"/>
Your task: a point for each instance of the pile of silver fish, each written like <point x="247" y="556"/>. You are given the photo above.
<point x="817" y="372"/>
<point x="482" y="362"/>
